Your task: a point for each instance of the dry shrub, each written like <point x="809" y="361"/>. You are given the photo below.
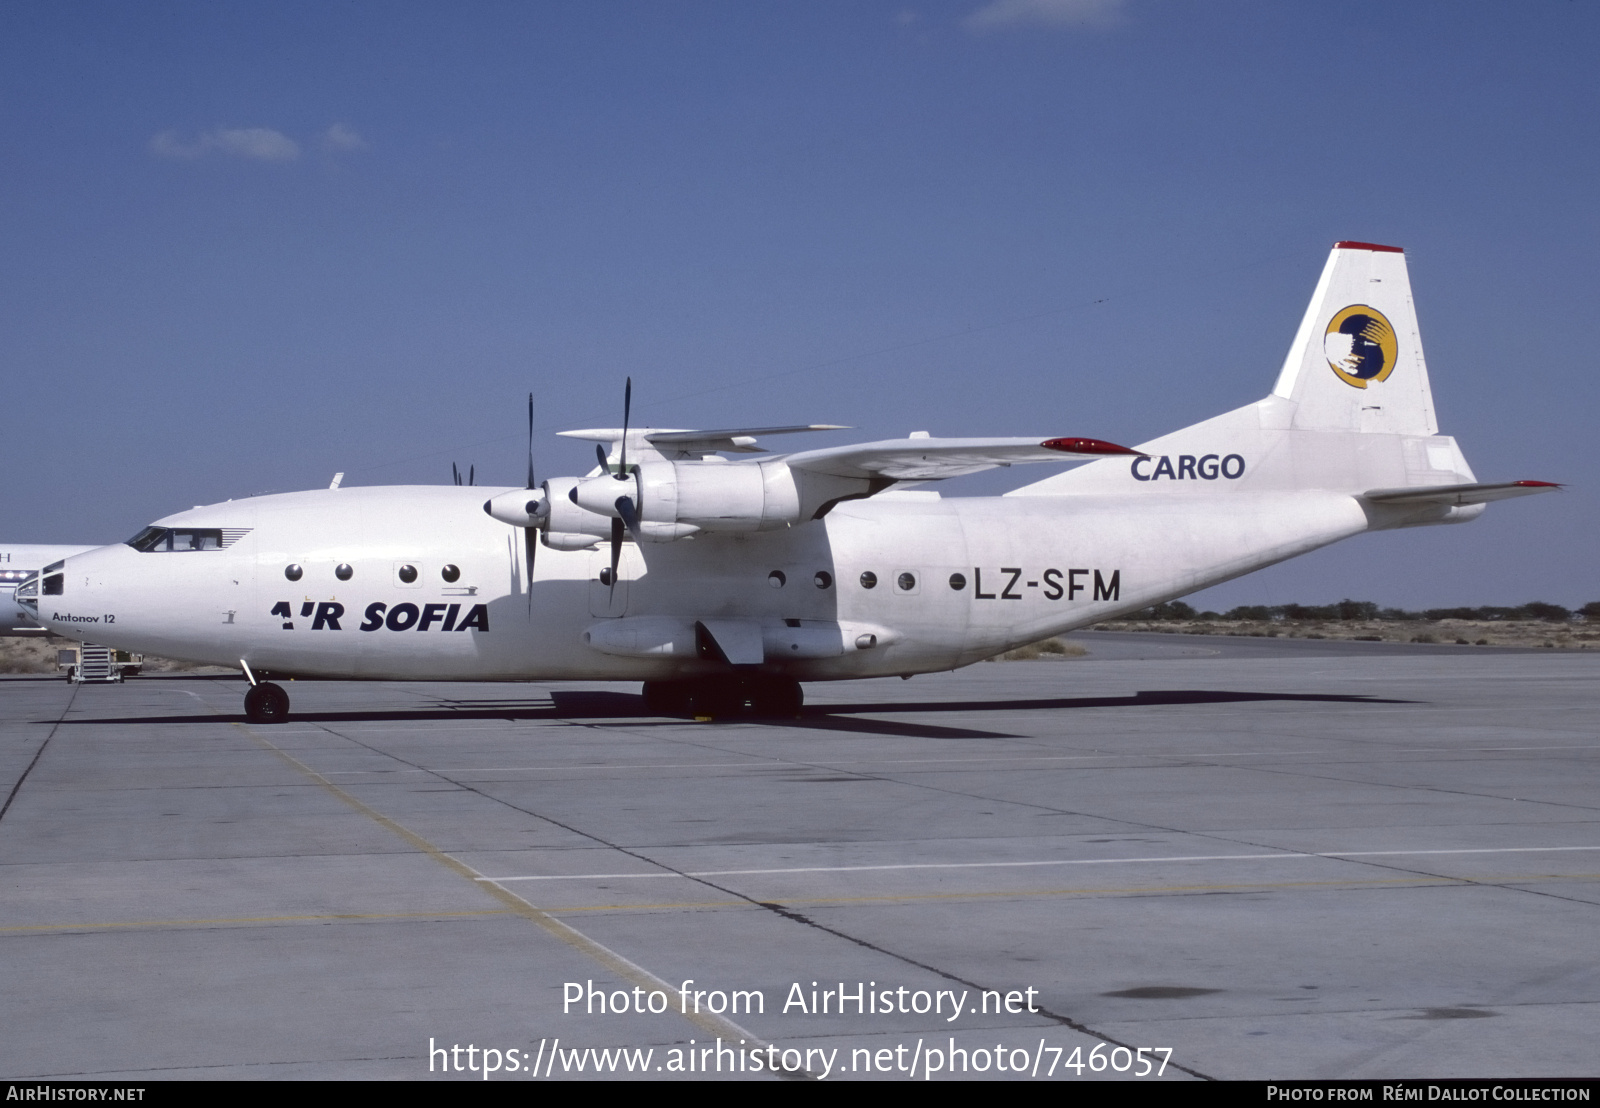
<point x="29" y="655"/>
<point x="1045" y="648"/>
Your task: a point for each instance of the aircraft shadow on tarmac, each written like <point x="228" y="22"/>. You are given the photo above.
<point x="598" y="705"/>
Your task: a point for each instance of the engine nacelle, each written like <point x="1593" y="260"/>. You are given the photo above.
<point x="674" y="500"/>
<point x="566" y="517"/>
<point x="519" y="507"/>
<point x="550" y="508"/>
<point x="677" y="498"/>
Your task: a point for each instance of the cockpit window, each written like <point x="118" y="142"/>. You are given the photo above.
<point x="164" y="539"/>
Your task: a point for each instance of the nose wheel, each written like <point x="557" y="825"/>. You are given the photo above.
<point x="266" y="703"/>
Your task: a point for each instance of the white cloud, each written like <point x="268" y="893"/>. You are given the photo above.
<point x="261" y="144"/>
<point x="168" y="145"/>
<point x="339" y="138"/>
<point x="999" y="14"/>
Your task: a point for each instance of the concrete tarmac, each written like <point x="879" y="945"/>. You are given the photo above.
<point x="1254" y="859"/>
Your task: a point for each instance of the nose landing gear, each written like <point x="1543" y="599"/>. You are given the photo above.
<point x="726" y="696"/>
<point x="266" y="703"/>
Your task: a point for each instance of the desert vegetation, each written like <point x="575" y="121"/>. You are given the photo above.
<point x="1535" y="624"/>
<point x="36" y="654"/>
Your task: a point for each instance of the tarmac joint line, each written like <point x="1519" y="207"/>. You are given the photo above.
<point x="604" y="955"/>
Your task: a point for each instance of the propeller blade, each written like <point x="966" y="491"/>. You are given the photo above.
<point x="616" y="552"/>
<point x="530" y="440"/>
<point x="627" y="406"/>
<point x="629" y="516"/>
<point x="600" y="452"/>
<point x="530" y="536"/>
<point x="455" y="474"/>
<point x="472" y="474"/>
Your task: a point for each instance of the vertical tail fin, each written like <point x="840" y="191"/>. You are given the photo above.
<point x="1356" y="363"/>
<point x="1351" y="410"/>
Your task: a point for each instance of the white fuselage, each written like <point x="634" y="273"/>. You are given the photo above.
<point x="957" y="580"/>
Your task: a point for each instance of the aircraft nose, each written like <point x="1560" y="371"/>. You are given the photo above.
<point x="60" y="598"/>
<point x="14" y="615"/>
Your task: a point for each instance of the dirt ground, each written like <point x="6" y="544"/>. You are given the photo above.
<point x="37" y="654"/>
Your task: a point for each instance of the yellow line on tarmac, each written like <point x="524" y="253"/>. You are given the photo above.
<point x="610" y="959"/>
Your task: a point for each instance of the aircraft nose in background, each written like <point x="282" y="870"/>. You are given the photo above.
<point x="70" y="602"/>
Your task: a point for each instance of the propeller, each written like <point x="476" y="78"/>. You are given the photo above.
<point x="530" y="535"/>
<point x="455" y="474"/>
<point x="627" y="512"/>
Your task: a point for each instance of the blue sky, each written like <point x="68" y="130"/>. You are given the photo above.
<point x="244" y="246"/>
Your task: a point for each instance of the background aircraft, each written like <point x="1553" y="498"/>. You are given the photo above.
<point x="18" y="562"/>
<point x="723" y="582"/>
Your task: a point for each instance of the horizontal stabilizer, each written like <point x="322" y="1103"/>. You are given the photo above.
<point x="1458" y="494"/>
<point x="930" y="459"/>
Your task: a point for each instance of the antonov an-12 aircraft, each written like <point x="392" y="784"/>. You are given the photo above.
<point x="18" y="562"/>
<point x="724" y="582"/>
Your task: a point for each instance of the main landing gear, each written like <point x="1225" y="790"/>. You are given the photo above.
<point x="724" y="696"/>
<point x="266" y="703"/>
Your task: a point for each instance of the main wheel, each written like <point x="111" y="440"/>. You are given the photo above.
<point x="716" y="698"/>
<point x="667" y="698"/>
<point x="777" y="698"/>
<point x="266" y="703"/>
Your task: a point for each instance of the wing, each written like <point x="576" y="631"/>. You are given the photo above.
<point x="733" y="440"/>
<point x="671" y="443"/>
<point x="1458" y="494"/>
<point x="930" y="459"/>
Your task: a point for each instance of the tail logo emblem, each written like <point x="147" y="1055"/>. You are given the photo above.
<point x="1360" y="345"/>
